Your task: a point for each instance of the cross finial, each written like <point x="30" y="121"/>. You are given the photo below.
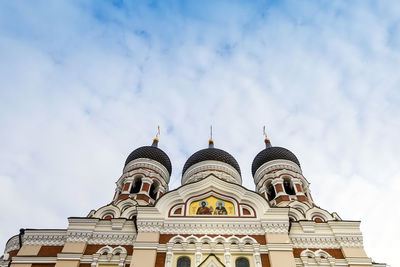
<point x="155" y="140"/>
<point x="267" y="141"/>
<point x="158" y="132"/>
<point x="211" y="141"/>
<point x="264" y="132"/>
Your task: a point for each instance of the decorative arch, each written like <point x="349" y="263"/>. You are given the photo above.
<point x="109" y="255"/>
<point x="318" y="257"/>
<point x="109" y="213"/>
<point x="176" y="203"/>
<point x="181" y="244"/>
<point x="301" y="207"/>
<point x="318" y="214"/>
<point x="295" y="214"/>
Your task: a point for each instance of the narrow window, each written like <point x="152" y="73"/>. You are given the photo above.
<point x="288" y="185"/>
<point x="242" y="262"/>
<point x="183" y="262"/>
<point x="270" y="192"/>
<point x="136" y="186"/>
<point x="153" y="190"/>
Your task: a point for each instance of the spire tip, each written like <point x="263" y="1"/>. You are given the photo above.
<point x="155" y="140"/>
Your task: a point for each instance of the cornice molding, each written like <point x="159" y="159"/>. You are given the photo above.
<point x="106" y="238"/>
<point x="314" y="242"/>
<point x="228" y="228"/>
<point x="45" y="238"/>
<point x="12" y="244"/>
<point x="318" y="241"/>
<point x="350" y="240"/>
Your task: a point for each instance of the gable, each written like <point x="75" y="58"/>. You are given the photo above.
<point x="212" y="261"/>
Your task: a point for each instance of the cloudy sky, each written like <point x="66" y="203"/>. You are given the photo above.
<point x="83" y="83"/>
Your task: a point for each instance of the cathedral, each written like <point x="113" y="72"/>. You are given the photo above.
<point x="211" y="220"/>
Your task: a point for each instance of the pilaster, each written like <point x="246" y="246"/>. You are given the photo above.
<point x="280" y="250"/>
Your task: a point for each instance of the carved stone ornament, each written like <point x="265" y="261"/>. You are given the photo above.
<point x="315" y="242"/>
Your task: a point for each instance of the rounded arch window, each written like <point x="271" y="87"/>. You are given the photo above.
<point x="137" y="184"/>
<point x="270" y="191"/>
<point x="288" y="185"/>
<point x="242" y="262"/>
<point x="183" y="262"/>
<point x="153" y="190"/>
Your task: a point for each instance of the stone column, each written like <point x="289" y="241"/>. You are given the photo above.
<point x="146" y="184"/>
<point x="257" y="256"/>
<point x="227" y="254"/>
<point x="143" y="194"/>
<point x="168" y="259"/>
<point x="262" y="191"/>
<point x="161" y="191"/>
<point x="126" y="187"/>
<point x="297" y="186"/>
<point x="278" y="186"/>
<point x="198" y="253"/>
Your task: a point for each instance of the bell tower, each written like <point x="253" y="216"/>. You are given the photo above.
<point x="278" y="176"/>
<point x="145" y="175"/>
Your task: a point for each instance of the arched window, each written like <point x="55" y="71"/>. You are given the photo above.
<point x="136" y="186"/>
<point x="153" y="190"/>
<point x="288" y="185"/>
<point x="242" y="262"/>
<point x="270" y="191"/>
<point x="183" y="262"/>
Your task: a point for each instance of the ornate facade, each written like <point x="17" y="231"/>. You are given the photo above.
<point x="211" y="220"/>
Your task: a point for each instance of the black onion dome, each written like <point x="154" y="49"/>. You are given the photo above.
<point x="272" y="153"/>
<point x="211" y="154"/>
<point x="151" y="152"/>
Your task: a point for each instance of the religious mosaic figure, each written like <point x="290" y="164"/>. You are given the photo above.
<point x="220" y="209"/>
<point x="203" y="209"/>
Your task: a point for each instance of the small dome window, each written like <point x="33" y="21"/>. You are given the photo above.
<point x="270" y="191"/>
<point x="154" y="190"/>
<point x="288" y="185"/>
<point x="136" y="186"/>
